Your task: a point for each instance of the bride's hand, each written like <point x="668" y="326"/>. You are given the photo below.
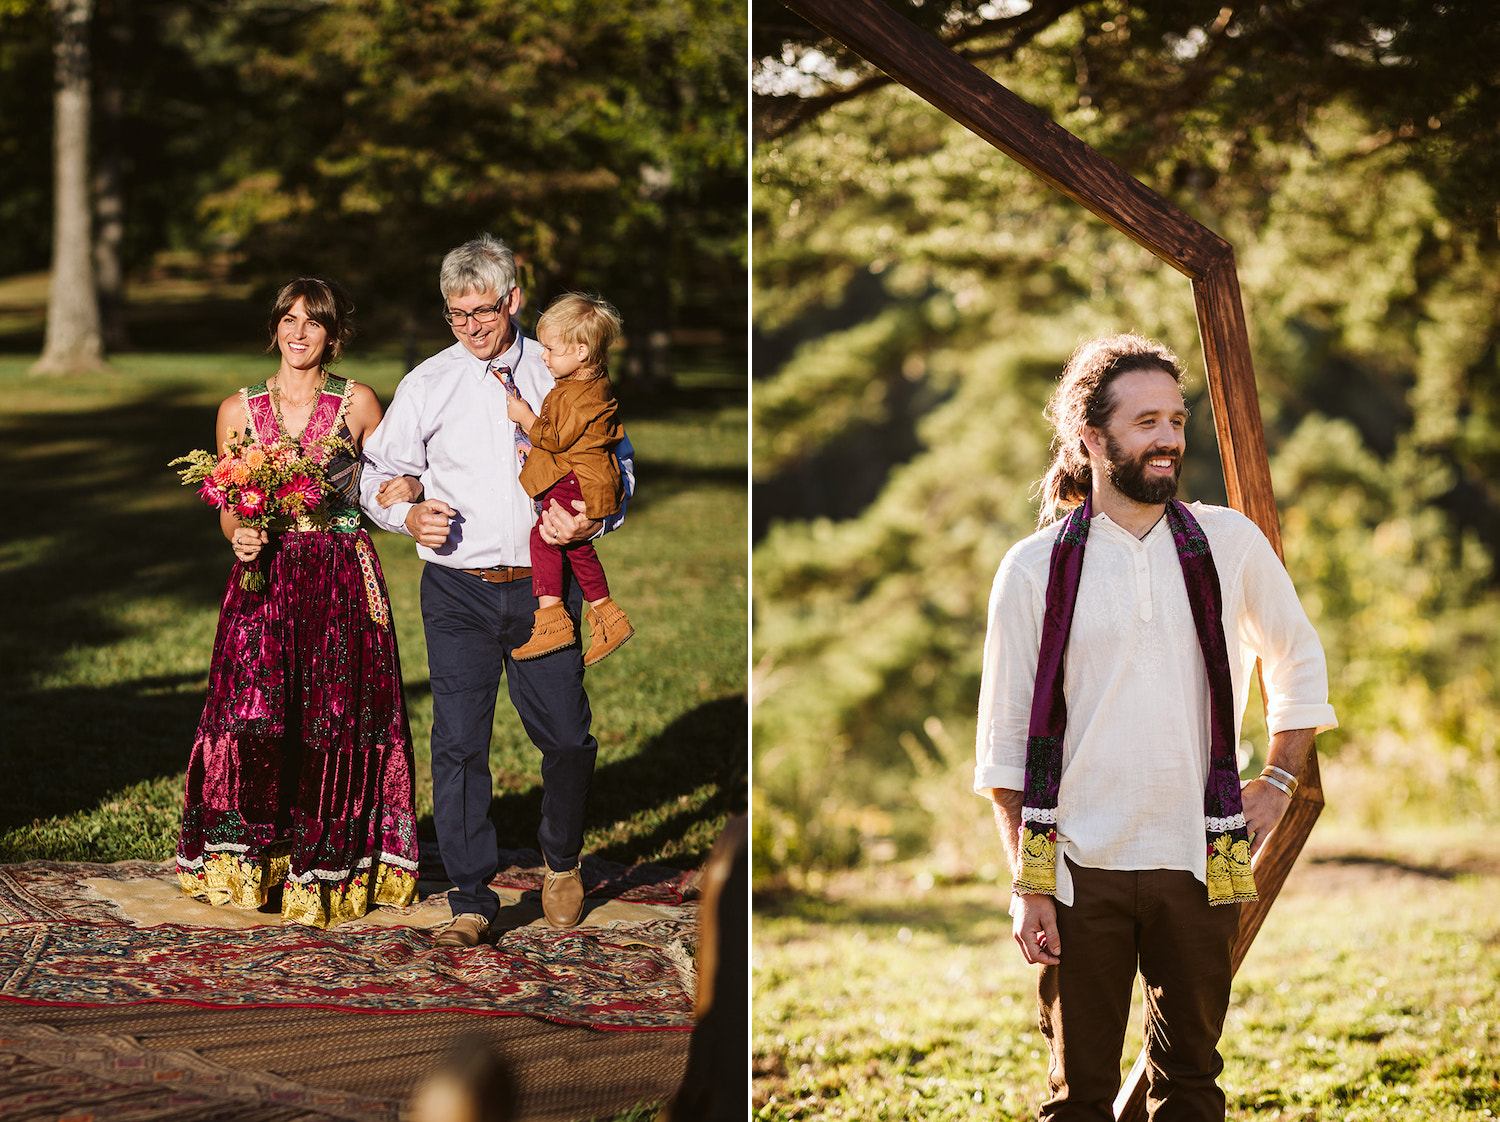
<point x="247" y="542"/>
<point x="402" y="489"/>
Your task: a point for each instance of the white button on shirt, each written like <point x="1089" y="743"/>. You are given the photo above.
<point x="448" y="426"/>
<point x="1135" y="752"/>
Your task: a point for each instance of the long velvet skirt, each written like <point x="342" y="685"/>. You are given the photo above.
<point x="301" y="770"/>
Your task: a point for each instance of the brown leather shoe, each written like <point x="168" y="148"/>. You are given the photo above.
<point x="552" y="631"/>
<point x="562" y="897"/>
<point x="467" y="929"/>
<point x="609" y="626"/>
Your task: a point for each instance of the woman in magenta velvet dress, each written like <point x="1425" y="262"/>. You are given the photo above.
<point x="301" y="771"/>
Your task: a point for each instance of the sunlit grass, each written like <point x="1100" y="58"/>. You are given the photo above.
<point x="1371" y="993"/>
<point x="111" y="589"/>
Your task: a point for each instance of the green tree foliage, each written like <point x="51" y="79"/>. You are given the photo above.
<point x="604" y="140"/>
<point x="363" y="138"/>
<point x="911" y="280"/>
<point x="25" y="150"/>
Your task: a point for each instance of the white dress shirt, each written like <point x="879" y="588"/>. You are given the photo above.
<point x="1135" y="751"/>
<point x="448" y="426"/>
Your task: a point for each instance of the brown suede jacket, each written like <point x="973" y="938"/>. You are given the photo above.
<point x="576" y="431"/>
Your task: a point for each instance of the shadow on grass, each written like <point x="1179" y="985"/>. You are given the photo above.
<point x="962" y="917"/>
<point x="1386" y="864"/>
<point x="65" y="750"/>
<point x="104" y="531"/>
<point x="706" y="746"/>
<point x="104" y="549"/>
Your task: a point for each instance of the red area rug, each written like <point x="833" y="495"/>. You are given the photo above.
<point x="63" y="945"/>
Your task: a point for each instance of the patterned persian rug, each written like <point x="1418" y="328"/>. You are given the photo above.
<point x="91" y="934"/>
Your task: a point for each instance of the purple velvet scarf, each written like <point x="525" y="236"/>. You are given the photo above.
<point x="1229" y="876"/>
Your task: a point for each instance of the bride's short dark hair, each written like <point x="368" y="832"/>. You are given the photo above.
<point x="327" y="305"/>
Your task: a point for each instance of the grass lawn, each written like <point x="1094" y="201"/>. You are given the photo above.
<point x="111" y="575"/>
<point x="1372" y="993"/>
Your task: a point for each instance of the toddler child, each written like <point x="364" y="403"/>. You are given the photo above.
<point x="572" y="457"/>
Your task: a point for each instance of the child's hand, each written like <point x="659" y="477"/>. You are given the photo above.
<point x="402" y="489"/>
<point x="520" y="412"/>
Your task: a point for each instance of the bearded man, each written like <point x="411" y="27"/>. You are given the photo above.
<point x="1118" y="658"/>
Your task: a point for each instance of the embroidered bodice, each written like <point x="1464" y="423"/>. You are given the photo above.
<point x="327" y="420"/>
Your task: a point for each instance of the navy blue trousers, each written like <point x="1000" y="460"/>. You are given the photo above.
<point x="471" y="627"/>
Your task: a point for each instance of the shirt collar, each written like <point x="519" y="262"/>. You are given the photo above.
<point x="1159" y="526"/>
<point x="510" y="357"/>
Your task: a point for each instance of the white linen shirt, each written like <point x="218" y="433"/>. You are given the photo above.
<point x="448" y="426"/>
<point x="1135" y="751"/>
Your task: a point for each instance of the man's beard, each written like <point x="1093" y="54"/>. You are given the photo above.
<point x="1129" y="476"/>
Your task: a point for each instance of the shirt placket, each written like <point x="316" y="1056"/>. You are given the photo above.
<point x="1142" y="580"/>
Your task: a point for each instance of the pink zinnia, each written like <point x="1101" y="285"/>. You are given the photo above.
<point x="300" y="493"/>
<point x="252" y="502"/>
<point x="211" y="492"/>
<point x="284" y="456"/>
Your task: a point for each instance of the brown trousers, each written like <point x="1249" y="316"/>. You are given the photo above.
<point x="1158" y="921"/>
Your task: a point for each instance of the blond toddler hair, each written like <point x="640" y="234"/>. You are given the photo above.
<point x="577" y="317"/>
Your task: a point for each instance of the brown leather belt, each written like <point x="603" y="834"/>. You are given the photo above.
<point x="504" y="574"/>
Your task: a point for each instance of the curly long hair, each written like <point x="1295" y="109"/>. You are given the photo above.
<point x="1082" y="398"/>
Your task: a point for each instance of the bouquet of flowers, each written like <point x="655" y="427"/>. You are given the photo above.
<point x="264" y="485"/>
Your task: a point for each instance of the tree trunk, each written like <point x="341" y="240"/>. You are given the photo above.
<point x="73" y="340"/>
<point x="109" y="190"/>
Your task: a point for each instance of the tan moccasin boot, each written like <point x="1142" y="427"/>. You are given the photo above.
<point x="552" y="631"/>
<point x="468" y="929"/>
<point x="609" y="626"/>
<point x="562" y="897"/>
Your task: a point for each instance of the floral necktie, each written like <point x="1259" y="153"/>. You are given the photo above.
<point x="523" y="442"/>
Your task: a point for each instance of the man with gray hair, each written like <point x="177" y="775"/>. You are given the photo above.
<point x="448" y="426"/>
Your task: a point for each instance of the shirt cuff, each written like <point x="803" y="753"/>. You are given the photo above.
<point x="987" y="775"/>
<point x="1318" y="716"/>
<point x="393" y="518"/>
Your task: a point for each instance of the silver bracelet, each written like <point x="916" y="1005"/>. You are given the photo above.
<point x="1275" y="776"/>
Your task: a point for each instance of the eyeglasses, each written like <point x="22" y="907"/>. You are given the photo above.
<point x="488" y="314"/>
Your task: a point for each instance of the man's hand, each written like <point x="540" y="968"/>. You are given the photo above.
<point x="1264" y="804"/>
<point x="563" y="527"/>
<point x="1035" y="929"/>
<point x="428" y="522"/>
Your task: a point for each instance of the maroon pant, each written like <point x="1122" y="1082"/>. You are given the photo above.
<point x="547" y="559"/>
<point x="1160" y="922"/>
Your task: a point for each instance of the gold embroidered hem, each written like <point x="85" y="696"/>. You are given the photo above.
<point x="226" y="879"/>
<point x="1230" y="880"/>
<point x="229" y="879"/>
<point x="323" y="904"/>
<point x="1038" y="863"/>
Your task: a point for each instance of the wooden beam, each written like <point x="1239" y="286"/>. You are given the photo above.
<point x="1231" y="389"/>
<point x="1027" y="135"/>
<point x="1016" y="127"/>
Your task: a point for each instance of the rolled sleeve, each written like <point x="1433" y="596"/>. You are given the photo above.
<point x="1012" y="639"/>
<point x="1277" y="629"/>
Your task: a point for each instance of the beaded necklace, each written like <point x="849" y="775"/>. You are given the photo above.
<point x="276" y="405"/>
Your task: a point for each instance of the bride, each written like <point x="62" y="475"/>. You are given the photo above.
<point x="300" y="778"/>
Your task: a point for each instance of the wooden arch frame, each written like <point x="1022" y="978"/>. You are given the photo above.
<point x="988" y="109"/>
